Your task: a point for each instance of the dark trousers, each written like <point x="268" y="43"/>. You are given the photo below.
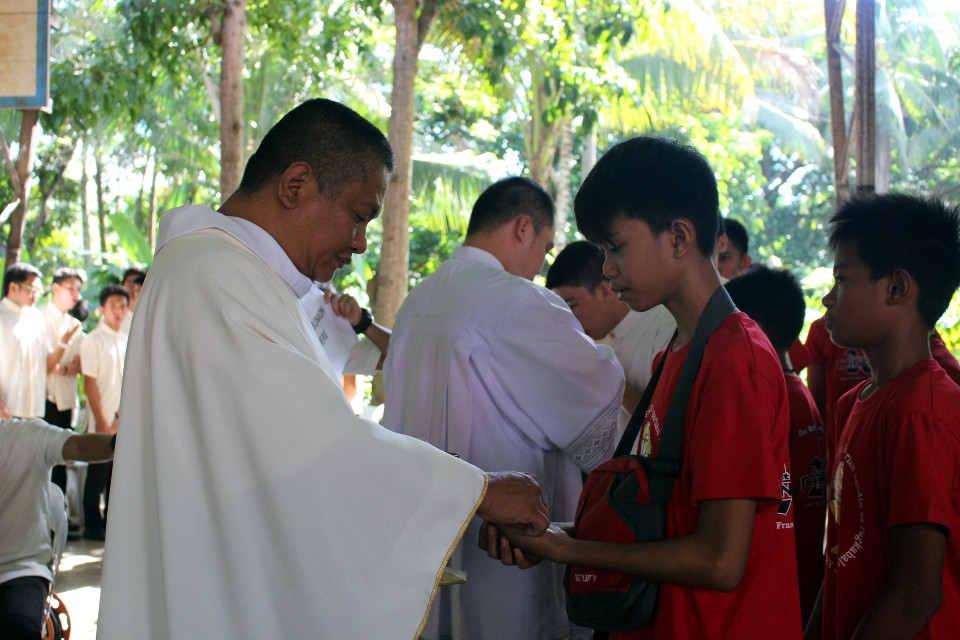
<point x="58" y="419"/>
<point x="23" y="602"/>
<point x="97" y="483"/>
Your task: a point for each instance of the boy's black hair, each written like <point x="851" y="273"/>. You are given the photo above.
<point x="918" y="234"/>
<point x="507" y="199"/>
<point x="80" y="310"/>
<point x="18" y="273"/>
<point x="653" y="179"/>
<point x="140" y="279"/>
<point x="737" y="235"/>
<point x="580" y="264"/>
<point x="113" y="290"/>
<point x="66" y="273"/>
<point x="132" y="271"/>
<point x="774" y="299"/>
<point x="338" y="143"/>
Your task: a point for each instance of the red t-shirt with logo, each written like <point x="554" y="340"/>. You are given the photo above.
<point x="897" y="463"/>
<point x="809" y="469"/>
<point x="735" y="445"/>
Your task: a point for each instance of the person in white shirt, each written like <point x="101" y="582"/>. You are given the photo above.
<point x="488" y="365"/>
<point x="635" y="336"/>
<point x="101" y="361"/>
<point x="23" y="344"/>
<point x="250" y="502"/>
<point x="28" y="506"/>
<point x="64" y="335"/>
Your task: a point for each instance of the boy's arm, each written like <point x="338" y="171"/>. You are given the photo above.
<point x="88" y="447"/>
<point x="713" y="557"/>
<point x="914" y="589"/>
<point x="103" y="424"/>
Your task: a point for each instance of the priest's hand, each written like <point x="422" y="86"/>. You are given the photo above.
<point x="514" y="499"/>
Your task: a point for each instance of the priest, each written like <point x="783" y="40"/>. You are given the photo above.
<point x="248" y="501"/>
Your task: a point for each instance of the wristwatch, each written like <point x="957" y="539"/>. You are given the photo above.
<point x="366" y="319"/>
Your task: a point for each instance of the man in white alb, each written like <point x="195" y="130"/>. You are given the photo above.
<point x="248" y="500"/>
<point x="486" y="364"/>
<point x="635" y="336"/>
<point x="23" y="344"/>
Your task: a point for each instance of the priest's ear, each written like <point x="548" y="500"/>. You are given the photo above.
<point x="523" y="229"/>
<point x="291" y="183"/>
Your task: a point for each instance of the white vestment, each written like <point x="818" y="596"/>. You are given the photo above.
<point x="495" y="368"/>
<point x="247" y="500"/>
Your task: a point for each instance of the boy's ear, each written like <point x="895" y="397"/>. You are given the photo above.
<point x="901" y="287"/>
<point x="683" y="236"/>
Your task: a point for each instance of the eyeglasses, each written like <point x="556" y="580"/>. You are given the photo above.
<point x="34" y="289"/>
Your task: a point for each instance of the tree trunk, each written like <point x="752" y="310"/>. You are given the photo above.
<point x="866" y="99"/>
<point x="28" y="142"/>
<point x="152" y="217"/>
<point x="411" y="31"/>
<point x="833" y="17"/>
<point x="231" y="96"/>
<point x="85" y="205"/>
<point x="884" y="144"/>
<point x="589" y="158"/>
<point x="564" y="167"/>
<point x="61" y="158"/>
<point x="101" y="202"/>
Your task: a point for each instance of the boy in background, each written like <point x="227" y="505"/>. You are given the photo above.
<point x="101" y="361"/>
<point x="774" y="299"/>
<point x="727" y="565"/>
<point x="893" y="558"/>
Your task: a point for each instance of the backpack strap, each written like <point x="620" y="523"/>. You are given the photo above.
<point x="665" y="467"/>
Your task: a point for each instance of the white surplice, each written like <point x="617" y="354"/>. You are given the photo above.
<point x="247" y="500"/>
<point x="495" y="368"/>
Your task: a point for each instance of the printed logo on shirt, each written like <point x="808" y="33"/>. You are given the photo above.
<point x="786" y="498"/>
<point x="814" y="482"/>
<point x="651" y="425"/>
<point x="848" y="510"/>
<point x="853" y="365"/>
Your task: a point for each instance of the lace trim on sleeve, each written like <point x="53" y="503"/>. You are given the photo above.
<point x="598" y="441"/>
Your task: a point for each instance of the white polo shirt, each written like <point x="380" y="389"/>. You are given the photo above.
<point x="23" y="359"/>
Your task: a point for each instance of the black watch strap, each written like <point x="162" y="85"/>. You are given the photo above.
<point x="366" y="319"/>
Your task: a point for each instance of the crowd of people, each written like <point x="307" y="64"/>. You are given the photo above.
<point x="250" y="500"/>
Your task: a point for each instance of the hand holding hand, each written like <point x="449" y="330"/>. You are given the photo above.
<point x="499" y="548"/>
<point x="514" y="499"/>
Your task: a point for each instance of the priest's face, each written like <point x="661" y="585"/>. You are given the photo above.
<point x="338" y="227"/>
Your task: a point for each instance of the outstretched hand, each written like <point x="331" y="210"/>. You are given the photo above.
<point x="514" y="499"/>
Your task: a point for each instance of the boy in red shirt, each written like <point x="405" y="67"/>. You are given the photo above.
<point x="727" y="566"/>
<point x="893" y="558"/>
<point x="774" y="299"/>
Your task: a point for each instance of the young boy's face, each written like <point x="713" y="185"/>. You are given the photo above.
<point x="114" y="310"/>
<point x="638" y="263"/>
<point x="595" y="310"/>
<point x="856" y="303"/>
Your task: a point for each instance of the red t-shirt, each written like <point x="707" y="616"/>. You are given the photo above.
<point x="808" y="463"/>
<point x="943" y="356"/>
<point x="844" y="368"/>
<point x="735" y="445"/>
<point x="897" y="463"/>
<point x="799" y="359"/>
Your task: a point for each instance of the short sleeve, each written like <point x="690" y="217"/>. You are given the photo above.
<point x="89" y="358"/>
<point x="741" y="411"/>
<point x="924" y="485"/>
<point x="817" y="343"/>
